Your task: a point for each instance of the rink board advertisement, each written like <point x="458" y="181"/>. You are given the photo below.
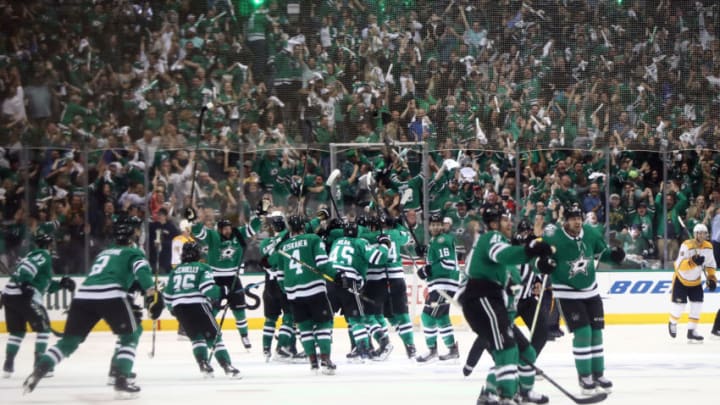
<point x="630" y="297"/>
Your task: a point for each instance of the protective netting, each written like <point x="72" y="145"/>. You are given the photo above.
<point x="527" y="105"/>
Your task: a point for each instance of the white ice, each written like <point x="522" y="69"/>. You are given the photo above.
<point x="644" y="363"/>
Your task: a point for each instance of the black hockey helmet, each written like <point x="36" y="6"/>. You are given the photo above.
<point x="190" y="252"/>
<point x="123" y="230"/>
<point x="296" y="223"/>
<point x="491" y="214"/>
<point x="277" y="221"/>
<point x="350" y="229"/>
<point x="223" y="223"/>
<point x="572" y="212"/>
<point x="435" y="218"/>
<point x="42" y="239"/>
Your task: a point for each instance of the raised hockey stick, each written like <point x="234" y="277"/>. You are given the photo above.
<point x="330" y="183"/>
<point x="158" y="245"/>
<point x="320" y="273"/>
<point x="208" y="106"/>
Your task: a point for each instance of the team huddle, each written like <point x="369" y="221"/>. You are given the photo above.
<point x="322" y="266"/>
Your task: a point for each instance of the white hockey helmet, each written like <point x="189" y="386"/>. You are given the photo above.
<point x="700" y="228"/>
<point x="185" y="225"/>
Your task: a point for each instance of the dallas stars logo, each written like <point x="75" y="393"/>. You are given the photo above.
<point x="227" y="253"/>
<point x="578" y="267"/>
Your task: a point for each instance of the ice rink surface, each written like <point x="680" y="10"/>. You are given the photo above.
<point x="644" y="363"/>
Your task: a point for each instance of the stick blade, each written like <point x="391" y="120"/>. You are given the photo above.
<point x="333" y="177"/>
<point x="592" y="399"/>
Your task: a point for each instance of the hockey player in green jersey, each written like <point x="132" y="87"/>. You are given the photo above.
<point x="350" y="256"/>
<point x="576" y="290"/>
<point x="275" y="300"/>
<point x="188" y="294"/>
<point x="483" y="301"/>
<point x="23" y="298"/>
<point x="226" y="247"/>
<point x="441" y="273"/>
<point x="103" y="295"/>
<point x="305" y="265"/>
<point x="386" y="284"/>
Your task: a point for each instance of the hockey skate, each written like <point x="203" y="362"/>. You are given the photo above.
<point x="532" y="397"/>
<point x="124" y="389"/>
<point x="672" y="329"/>
<point x="266" y="354"/>
<point x="314" y="366"/>
<point x="603" y="383"/>
<point x="230" y="371"/>
<point x="205" y="369"/>
<point x="354" y="355"/>
<point x="246" y="342"/>
<point x="33" y="379"/>
<point x="694" y="337"/>
<point x="327" y="366"/>
<point x="8" y="368"/>
<point x="429" y="356"/>
<point x="112" y="375"/>
<point x="487" y="398"/>
<point x="411" y="351"/>
<point x="297" y="357"/>
<point x="283" y="354"/>
<point x="715" y="334"/>
<point x="587" y="385"/>
<point x="453" y="354"/>
<point x="383" y="352"/>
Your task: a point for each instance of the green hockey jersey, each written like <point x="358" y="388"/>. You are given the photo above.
<point x="399" y="237"/>
<point x="444" y="273"/>
<point x="492" y="257"/>
<point x="352" y="256"/>
<point x="301" y="281"/>
<point x="574" y="276"/>
<point x="225" y="255"/>
<point x="267" y="248"/>
<point x="36" y="269"/>
<point x="190" y="283"/>
<point x="113" y="272"/>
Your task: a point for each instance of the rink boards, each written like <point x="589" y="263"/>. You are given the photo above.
<point x="630" y="297"/>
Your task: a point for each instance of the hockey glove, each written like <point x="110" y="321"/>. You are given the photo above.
<point x="384" y="240"/>
<point x="67" y="283"/>
<point x="617" y="254"/>
<point x="546" y="264"/>
<point x="425" y="271"/>
<point x="420" y="250"/>
<point x="323" y="214"/>
<point x="28" y="291"/>
<point x="262" y="207"/>
<point x="698" y="259"/>
<point x="155" y="308"/>
<point x="711" y="284"/>
<point x="190" y="214"/>
<point x="538" y="247"/>
<point x="334" y="224"/>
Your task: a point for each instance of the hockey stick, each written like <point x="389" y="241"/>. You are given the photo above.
<point x="208" y="106"/>
<point x="158" y="245"/>
<point x="320" y="273"/>
<point x="537" y="307"/>
<point x="330" y="183"/>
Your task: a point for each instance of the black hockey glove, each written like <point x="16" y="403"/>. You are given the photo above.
<point x="384" y="240"/>
<point x="28" y="291"/>
<point x="711" y="284"/>
<point x="67" y="283"/>
<point x="421" y="250"/>
<point x="617" y="254"/>
<point x="425" y="271"/>
<point x="155" y="308"/>
<point x="538" y="247"/>
<point x="546" y="264"/>
<point x="190" y="214"/>
<point x="699" y="260"/>
<point x="334" y="223"/>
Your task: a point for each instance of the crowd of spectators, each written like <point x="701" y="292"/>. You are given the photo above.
<point x="612" y="105"/>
